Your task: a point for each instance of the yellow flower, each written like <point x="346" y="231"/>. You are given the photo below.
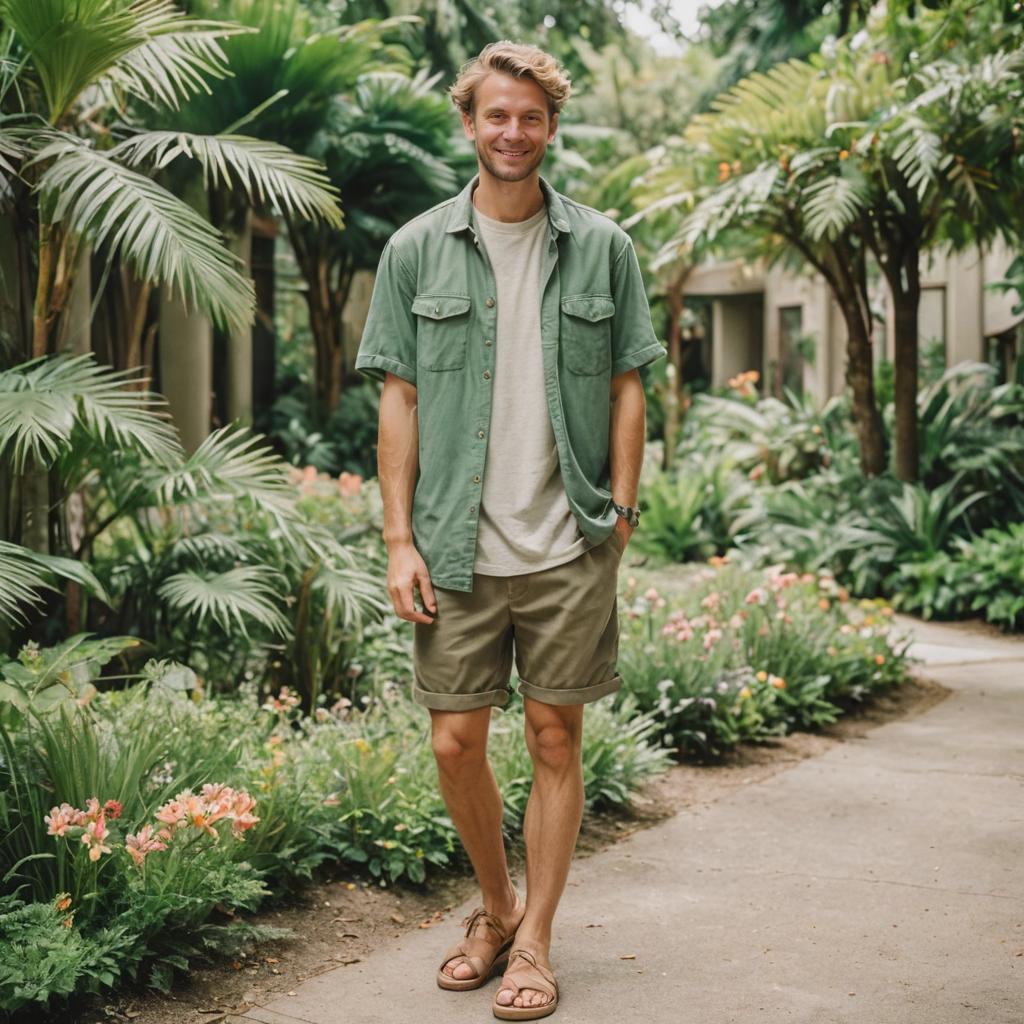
<point x="745" y="693"/>
<point x="762" y="676"/>
<point x="350" y="885"/>
<point x="362" y="746"/>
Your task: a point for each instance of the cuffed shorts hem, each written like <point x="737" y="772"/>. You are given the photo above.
<point x="459" y="701"/>
<point x="582" y="695"/>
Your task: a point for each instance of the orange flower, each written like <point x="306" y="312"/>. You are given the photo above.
<point x="723" y="171"/>
<point x="879" y="659"/>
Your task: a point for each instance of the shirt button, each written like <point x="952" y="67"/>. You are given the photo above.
<point x="490" y="302"/>
<point x="476" y="479"/>
<point x="487" y="374"/>
<point x="488" y="343"/>
<point x="479" y="433"/>
<point x="472" y="508"/>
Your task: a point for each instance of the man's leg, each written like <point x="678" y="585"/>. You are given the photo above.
<point x="474" y="804"/>
<point x="554" y="736"/>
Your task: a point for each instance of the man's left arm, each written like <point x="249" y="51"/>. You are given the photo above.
<point x="627" y="434"/>
<point x="634" y="344"/>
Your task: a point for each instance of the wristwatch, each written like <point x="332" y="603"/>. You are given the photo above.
<point x="629" y="513"/>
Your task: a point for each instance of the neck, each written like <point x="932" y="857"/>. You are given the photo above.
<point x="508" y="201"/>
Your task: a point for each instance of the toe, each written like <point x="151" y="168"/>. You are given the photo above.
<point x="463" y="971"/>
<point x="505" y="997"/>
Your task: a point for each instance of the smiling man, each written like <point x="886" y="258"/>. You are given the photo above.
<point x="507" y="325"/>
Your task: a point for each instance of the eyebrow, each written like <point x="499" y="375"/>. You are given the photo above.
<point x="502" y="110"/>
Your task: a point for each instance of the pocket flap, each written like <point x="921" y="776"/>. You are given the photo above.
<point x="588" y="307"/>
<point x="439" y="307"/>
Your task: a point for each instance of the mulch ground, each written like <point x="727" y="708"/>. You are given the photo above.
<point x="337" y="925"/>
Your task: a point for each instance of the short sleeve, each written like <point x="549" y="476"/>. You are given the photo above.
<point x="389" y="337"/>
<point x="634" y="342"/>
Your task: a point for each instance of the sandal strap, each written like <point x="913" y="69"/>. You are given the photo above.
<point x="476" y="947"/>
<point x="548" y="984"/>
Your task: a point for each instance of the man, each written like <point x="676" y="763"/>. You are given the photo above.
<point x="507" y="325"/>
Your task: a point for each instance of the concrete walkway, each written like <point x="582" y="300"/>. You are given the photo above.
<point x="880" y="883"/>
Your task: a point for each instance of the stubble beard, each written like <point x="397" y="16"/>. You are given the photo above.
<point x="507" y="173"/>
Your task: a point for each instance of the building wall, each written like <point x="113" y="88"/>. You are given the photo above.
<point x="957" y="307"/>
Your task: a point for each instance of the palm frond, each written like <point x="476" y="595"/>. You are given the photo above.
<point x="350" y="594"/>
<point x="43" y="401"/>
<point x="73" y="46"/>
<point x="919" y="153"/>
<point x="832" y="205"/>
<point x="233" y="600"/>
<point x="161" y="236"/>
<point x="231" y="464"/>
<point x="177" y="58"/>
<point x="24" y="574"/>
<point x="267" y="172"/>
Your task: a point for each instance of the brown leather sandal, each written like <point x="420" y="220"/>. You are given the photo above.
<point x="537" y="977"/>
<point x="482" y="955"/>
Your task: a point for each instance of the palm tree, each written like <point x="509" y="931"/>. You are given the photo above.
<point x="204" y="556"/>
<point x="842" y="157"/>
<point x="762" y="173"/>
<point x="67" y="70"/>
<point x="339" y="93"/>
<point x="386" y="146"/>
<point x="75" y="62"/>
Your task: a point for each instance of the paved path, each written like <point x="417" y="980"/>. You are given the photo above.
<point x="880" y="883"/>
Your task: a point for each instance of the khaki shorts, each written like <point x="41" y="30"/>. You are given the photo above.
<point x="561" y="622"/>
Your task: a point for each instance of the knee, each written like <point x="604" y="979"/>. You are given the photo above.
<point x="555" y="747"/>
<point x="455" y="754"/>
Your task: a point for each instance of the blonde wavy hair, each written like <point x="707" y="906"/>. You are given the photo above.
<point x="518" y="60"/>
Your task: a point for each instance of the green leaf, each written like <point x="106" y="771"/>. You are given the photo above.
<point x="163" y="238"/>
<point x="265" y="171"/>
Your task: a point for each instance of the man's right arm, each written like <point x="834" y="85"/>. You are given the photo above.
<point x="397" y="464"/>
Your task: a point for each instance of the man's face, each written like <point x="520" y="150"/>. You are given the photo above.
<point x="510" y="126"/>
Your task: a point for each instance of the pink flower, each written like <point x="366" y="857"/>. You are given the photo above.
<point x="711" y="638"/>
<point x="95" y="833"/>
<point x="113" y="809"/>
<point x="142" y="844"/>
<point x="757" y="596"/>
<point x="243" y="818"/>
<point x="173" y="813"/>
<point x="349" y="484"/>
<point x="59" y="820"/>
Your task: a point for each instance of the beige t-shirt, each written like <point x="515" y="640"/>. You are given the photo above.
<point x="525" y="521"/>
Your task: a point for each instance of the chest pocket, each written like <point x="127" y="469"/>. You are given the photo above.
<point x="442" y="329"/>
<point x="586" y="332"/>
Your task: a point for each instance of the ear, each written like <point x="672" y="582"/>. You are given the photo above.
<point x="554" y="127"/>
<point x="467" y="126"/>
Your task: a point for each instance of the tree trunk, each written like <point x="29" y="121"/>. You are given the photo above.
<point x="848" y="279"/>
<point x="905" y="286"/>
<point x="674" y="370"/>
<point x="325" y="300"/>
<point x="186" y="353"/>
<point x="238" y="372"/>
<point x="76" y="323"/>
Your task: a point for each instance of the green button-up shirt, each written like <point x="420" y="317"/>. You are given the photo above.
<point x="432" y="321"/>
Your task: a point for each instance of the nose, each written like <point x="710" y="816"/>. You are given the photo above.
<point x="514" y="129"/>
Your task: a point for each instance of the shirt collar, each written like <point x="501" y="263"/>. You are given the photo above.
<point x="459" y="219"/>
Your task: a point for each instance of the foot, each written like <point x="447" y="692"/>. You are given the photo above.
<point x="526" y="967"/>
<point x="486" y="930"/>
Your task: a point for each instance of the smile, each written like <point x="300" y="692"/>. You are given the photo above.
<point x="512" y="154"/>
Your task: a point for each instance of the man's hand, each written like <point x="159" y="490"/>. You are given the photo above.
<point x="406" y="570"/>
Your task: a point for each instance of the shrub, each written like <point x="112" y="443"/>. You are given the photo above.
<point x="748" y="655"/>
